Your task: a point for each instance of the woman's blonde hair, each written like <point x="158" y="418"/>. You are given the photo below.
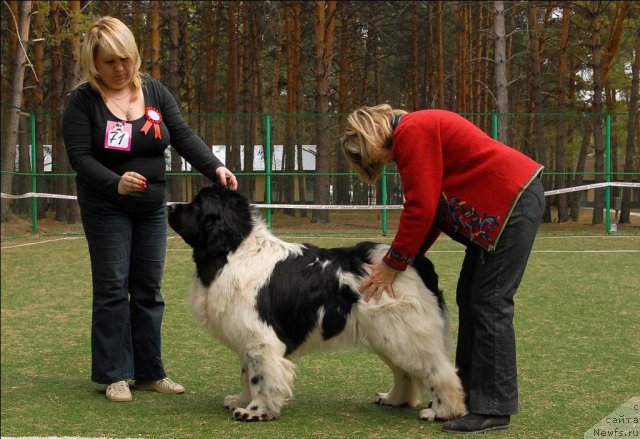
<point x="115" y="39"/>
<point x="368" y="129"/>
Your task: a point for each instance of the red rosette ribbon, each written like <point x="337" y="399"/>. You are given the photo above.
<point x="154" y="117"/>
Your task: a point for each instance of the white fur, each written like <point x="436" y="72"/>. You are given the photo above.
<point x="408" y="333"/>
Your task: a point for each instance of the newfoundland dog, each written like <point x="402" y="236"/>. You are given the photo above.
<point x="268" y="300"/>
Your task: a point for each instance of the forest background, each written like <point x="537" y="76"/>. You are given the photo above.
<point x="556" y="80"/>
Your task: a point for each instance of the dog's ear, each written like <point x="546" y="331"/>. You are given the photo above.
<point x="218" y="232"/>
<point x="225" y="222"/>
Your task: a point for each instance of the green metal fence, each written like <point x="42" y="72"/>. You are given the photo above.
<point x="276" y="159"/>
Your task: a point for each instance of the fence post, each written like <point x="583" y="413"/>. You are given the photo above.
<point x="34" y="170"/>
<point x="494" y="123"/>
<point x="384" y="200"/>
<point x="267" y="164"/>
<point x="607" y="164"/>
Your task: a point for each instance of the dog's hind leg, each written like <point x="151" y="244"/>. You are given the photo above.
<point x="411" y="337"/>
<point x="405" y="392"/>
<point x="243" y="398"/>
<point x="446" y="389"/>
<point x="270" y="382"/>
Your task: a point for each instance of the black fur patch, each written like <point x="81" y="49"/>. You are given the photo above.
<point x="300" y="285"/>
<point x="427" y="273"/>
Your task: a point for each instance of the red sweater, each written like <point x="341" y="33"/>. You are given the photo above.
<point x="457" y="180"/>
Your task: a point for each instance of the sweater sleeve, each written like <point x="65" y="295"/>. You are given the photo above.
<point x="431" y="237"/>
<point x="418" y="153"/>
<point x="76" y="131"/>
<point x="188" y="144"/>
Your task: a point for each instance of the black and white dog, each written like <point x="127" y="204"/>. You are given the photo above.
<point x="268" y="299"/>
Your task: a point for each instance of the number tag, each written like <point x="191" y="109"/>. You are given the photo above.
<point x="118" y="135"/>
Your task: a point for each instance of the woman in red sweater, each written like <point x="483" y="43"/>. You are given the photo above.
<point x="484" y="194"/>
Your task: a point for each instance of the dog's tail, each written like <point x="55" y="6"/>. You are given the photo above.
<point x="427" y="273"/>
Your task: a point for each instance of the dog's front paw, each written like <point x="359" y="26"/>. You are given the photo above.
<point x="244" y="415"/>
<point x="232" y="402"/>
<point x="389" y="400"/>
<point x="428" y="415"/>
<point x="392" y="399"/>
<point x="381" y="399"/>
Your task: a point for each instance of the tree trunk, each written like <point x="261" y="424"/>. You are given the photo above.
<point x="38" y="102"/>
<point x="324" y="37"/>
<point x="72" y="76"/>
<point x="477" y="60"/>
<point x="486" y="76"/>
<point x="561" y="133"/>
<point x="187" y="69"/>
<point x="632" y="125"/>
<point x="610" y="50"/>
<point x="440" y="53"/>
<point x="574" y="201"/>
<point x="15" y="102"/>
<point x="139" y="31"/>
<point x="233" y="89"/>
<point x="154" y="37"/>
<point x="411" y="98"/>
<point x="615" y="32"/>
<point x="464" y="66"/>
<point x="293" y="17"/>
<point x="214" y="12"/>
<point x="251" y="89"/>
<point x="427" y="67"/>
<point x="343" y="181"/>
<point x="172" y="76"/>
<point x="502" y="96"/>
<point x="59" y="161"/>
<point x="9" y="45"/>
<point x="535" y="54"/>
<point x="190" y="184"/>
<point x="297" y="97"/>
<point x="279" y="47"/>
<point x="377" y="71"/>
<point x="596" y="62"/>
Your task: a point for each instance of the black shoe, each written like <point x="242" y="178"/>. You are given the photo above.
<point x="474" y="423"/>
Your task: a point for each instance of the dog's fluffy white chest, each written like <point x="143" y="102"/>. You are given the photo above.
<point x="227" y="307"/>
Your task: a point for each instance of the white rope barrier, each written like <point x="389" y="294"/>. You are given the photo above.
<point x="37" y="195"/>
<point x="592" y="186"/>
<point x="338" y="206"/>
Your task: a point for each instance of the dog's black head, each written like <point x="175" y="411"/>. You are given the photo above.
<point x="214" y="224"/>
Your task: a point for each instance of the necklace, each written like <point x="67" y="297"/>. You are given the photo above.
<point x="125" y="112"/>
<point x="119" y="99"/>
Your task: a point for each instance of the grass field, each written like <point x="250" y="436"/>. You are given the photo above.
<point x="577" y="322"/>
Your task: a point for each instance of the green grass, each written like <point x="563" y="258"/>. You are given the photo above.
<point x="576" y="320"/>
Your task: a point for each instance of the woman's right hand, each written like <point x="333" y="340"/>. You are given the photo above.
<point x="131" y="182"/>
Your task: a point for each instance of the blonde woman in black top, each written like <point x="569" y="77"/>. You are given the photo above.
<point x="117" y="125"/>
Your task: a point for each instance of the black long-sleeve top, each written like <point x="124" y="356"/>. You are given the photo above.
<point x="99" y="168"/>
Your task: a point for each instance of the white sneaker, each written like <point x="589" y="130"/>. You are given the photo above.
<point x="119" y="392"/>
<point x="165" y="385"/>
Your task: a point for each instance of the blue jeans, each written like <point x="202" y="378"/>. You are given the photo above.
<point x="486" y="349"/>
<point x="127" y="249"/>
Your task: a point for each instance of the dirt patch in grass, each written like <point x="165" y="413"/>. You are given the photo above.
<point x="23" y="227"/>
